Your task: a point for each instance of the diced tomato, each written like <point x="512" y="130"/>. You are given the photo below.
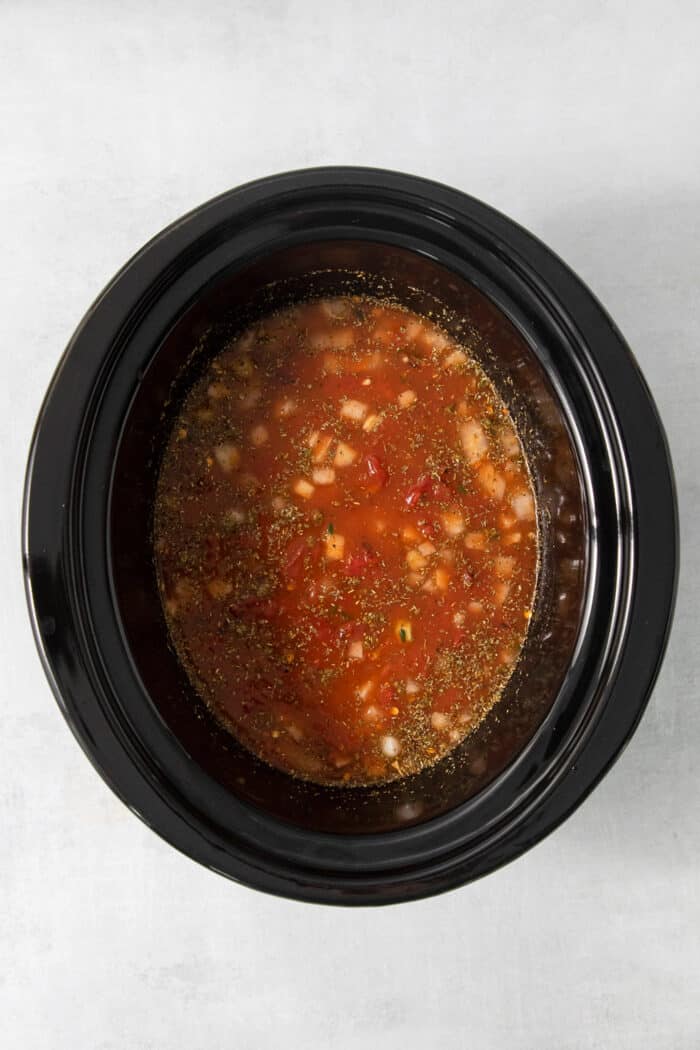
<point x="378" y="474"/>
<point x="387" y="695"/>
<point x="428" y="488"/>
<point x="421" y="488"/>
<point x="293" y="564"/>
<point x="351" y="631"/>
<point x="359" y="562"/>
<point x="440" y="491"/>
<point x="430" y="529"/>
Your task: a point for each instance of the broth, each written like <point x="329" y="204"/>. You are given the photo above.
<point x="346" y="540"/>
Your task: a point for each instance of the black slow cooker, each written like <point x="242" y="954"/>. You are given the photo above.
<point x="607" y="517"/>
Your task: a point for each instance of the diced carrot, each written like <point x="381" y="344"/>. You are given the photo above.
<point x="372" y="422"/>
<point x="321" y="447"/>
<point x="442" y="578"/>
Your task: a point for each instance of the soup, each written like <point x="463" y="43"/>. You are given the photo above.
<point x="346" y="541"/>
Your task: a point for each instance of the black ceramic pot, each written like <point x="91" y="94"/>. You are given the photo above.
<point x="607" y="518"/>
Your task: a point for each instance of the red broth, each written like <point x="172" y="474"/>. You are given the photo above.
<point x="346" y="541"/>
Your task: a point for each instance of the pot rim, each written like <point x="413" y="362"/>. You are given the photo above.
<point x="647" y="507"/>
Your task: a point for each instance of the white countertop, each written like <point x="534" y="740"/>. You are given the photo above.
<point x="582" y="122"/>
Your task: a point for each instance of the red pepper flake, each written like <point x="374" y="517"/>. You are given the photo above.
<point x="378" y="474"/>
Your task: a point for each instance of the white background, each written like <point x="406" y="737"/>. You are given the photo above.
<point x="580" y="120"/>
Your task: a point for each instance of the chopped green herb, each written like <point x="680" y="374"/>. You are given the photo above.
<point x="331" y="528"/>
<point x="403" y="634"/>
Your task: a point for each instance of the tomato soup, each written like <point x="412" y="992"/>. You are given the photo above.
<point x="346" y="541"/>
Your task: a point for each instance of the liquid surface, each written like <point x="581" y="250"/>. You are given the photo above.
<point x="346" y="541"/>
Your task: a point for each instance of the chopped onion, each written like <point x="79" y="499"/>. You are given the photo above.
<point x="344" y="455"/>
<point x="475" y="444"/>
<point x="390" y="746"/>
<point x="303" y="488"/>
<point x="219" y="588"/>
<point x="227" y="456"/>
<point x="407" y="398"/>
<point x="356" y="651"/>
<point x="523" y="506"/>
<point x="475" y="541"/>
<point x="335" y="309"/>
<point x="503" y="566"/>
<point x="259" y="435"/>
<point x="415" y="560"/>
<point x="509" y="443"/>
<point x="217" y="391"/>
<point x="439" y="721"/>
<point x="500" y="592"/>
<point x="323" y="476"/>
<point x="455" y="359"/>
<point x="452" y="523"/>
<point x="493" y="483"/>
<point x="354" y="410"/>
<point x="250" y="398"/>
<point x="286" y="408"/>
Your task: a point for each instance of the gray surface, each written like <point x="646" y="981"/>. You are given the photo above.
<point x="582" y="122"/>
